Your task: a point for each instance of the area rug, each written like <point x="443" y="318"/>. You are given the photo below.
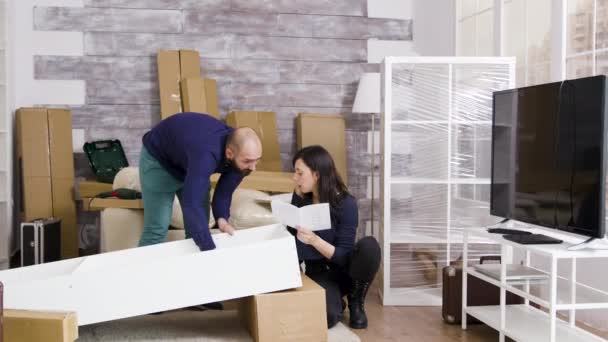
<point x="182" y="325"/>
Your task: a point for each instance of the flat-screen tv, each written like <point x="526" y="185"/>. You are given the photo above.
<point x="549" y="155"/>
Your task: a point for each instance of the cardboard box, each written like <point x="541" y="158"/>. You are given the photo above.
<point x="168" y="82"/>
<point x="120" y="284"/>
<point x="65" y="209"/>
<point x="23" y="325"/>
<point x="36" y="198"/>
<point x="265" y="125"/>
<point x="199" y="95"/>
<point x="92" y="188"/>
<point x="46" y="170"/>
<point x="294" y="315"/>
<point x="60" y="141"/>
<point x="264" y="181"/>
<point x="173" y="66"/>
<point x="328" y="131"/>
<point x="189" y="64"/>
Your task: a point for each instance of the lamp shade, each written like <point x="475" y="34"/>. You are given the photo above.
<point x="367" y="99"/>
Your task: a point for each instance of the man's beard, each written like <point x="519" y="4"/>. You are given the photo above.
<point x="232" y="164"/>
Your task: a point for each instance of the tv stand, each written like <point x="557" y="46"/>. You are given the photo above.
<point x="589" y="243"/>
<point x="526" y="322"/>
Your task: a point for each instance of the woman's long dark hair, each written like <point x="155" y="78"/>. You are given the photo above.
<point x="330" y="185"/>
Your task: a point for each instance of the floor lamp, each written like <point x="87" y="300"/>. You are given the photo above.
<point x="367" y="100"/>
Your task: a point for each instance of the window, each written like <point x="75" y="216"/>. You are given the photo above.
<point x="475" y="28"/>
<point x="551" y="39"/>
<point x="587" y="38"/>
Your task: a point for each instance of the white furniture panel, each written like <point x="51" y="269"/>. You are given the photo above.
<point x="156" y="278"/>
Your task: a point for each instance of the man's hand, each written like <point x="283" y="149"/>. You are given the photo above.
<point x="306" y="236"/>
<point x="225" y="227"/>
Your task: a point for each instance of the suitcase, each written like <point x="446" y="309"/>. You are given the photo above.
<point x="106" y="158"/>
<point x="40" y="241"/>
<point x="479" y="292"/>
<point x="1" y="312"/>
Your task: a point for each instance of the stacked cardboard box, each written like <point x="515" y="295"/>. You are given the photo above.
<point x="181" y="87"/>
<point x="46" y="163"/>
<point x="293" y="315"/>
<point x="265" y="125"/>
<point x="328" y="131"/>
<point x="200" y="95"/>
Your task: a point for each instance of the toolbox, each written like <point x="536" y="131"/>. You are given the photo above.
<point x="106" y="158"/>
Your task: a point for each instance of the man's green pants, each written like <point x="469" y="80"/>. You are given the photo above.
<point x="158" y="189"/>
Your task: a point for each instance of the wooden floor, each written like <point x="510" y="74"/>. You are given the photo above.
<point x="417" y="324"/>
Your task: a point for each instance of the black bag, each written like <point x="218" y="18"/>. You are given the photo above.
<point x="106" y="158"/>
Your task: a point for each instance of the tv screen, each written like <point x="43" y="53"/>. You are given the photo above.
<point x="548" y="155"/>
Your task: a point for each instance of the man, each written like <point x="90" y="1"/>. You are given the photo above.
<point x="178" y="157"/>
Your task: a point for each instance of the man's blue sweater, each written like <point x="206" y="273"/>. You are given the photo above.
<point x="191" y="147"/>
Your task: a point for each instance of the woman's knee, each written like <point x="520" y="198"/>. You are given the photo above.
<point x="369" y="247"/>
<point x="365" y="260"/>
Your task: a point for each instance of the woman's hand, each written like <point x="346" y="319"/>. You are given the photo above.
<point x="306" y="236"/>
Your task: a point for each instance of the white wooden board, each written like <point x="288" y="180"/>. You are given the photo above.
<point x="155" y="278"/>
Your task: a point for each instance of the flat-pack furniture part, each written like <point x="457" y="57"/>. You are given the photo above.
<point x="161" y="277"/>
<point x="40" y="241"/>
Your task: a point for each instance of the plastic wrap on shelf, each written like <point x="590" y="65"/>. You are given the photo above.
<point x="436" y="144"/>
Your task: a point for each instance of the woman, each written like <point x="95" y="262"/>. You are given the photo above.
<point x="331" y="257"/>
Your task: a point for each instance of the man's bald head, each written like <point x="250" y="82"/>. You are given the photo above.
<point x="244" y="149"/>
<point x="243" y="137"/>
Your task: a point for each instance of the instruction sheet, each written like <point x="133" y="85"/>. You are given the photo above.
<point x="313" y="217"/>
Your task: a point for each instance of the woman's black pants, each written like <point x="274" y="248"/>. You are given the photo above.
<point x="363" y="265"/>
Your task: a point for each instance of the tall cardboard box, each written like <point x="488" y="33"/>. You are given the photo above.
<point x="34" y="173"/>
<point x="328" y="131"/>
<point x="168" y="82"/>
<point x="265" y="125"/>
<point x="46" y="163"/>
<point x="174" y="66"/>
<point x="200" y="95"/>
<point x="293" y="315"/>
<point x="189" y="64"/>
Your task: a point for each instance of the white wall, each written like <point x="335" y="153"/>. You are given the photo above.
<point x="434" y="27"/>
<point x="394" y="9"/>
<point x="26" y="43"/>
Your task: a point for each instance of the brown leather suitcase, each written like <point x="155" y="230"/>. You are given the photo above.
<point x="479" y="292"/>
<point x="1" y="312"/>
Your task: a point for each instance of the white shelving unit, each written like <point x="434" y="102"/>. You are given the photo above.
<point x="524" y="322"/>
<point x="6" y="153"/>
<point x="435" y="170"/>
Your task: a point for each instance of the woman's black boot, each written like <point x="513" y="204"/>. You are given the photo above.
<point x="356" y="302"/>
